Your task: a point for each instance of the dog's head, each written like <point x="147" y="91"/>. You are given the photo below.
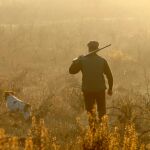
<point x="8" y="93"/>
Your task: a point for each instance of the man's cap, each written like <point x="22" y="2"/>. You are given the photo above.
<point x="93" y="45"/>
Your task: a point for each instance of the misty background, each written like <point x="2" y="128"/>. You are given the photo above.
<point x="46" y="31"/>
<point x="31" y="11"/>
<point x="40" y="38"/>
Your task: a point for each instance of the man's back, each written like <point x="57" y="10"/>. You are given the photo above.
<point x="93" y="68"/>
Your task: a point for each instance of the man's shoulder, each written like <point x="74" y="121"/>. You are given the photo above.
<point x="101" y="58"/>
<point x="95" y="58"/>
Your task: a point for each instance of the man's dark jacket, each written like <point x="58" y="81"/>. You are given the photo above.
<point x="93" y="68"/>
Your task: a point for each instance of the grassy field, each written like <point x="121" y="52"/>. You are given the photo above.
<point x="34" y="62"/>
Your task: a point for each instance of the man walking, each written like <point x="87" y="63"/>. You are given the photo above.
<point x="93" y="68"/>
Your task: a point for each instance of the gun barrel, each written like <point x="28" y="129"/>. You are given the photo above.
<point x="98" y="50"/>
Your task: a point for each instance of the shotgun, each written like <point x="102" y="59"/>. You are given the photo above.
<point x="95" y="51"/>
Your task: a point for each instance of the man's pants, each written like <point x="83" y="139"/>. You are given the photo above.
<point x="92" y="98"/>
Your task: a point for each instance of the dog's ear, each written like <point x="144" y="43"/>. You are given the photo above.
<point x="8" y="93"/>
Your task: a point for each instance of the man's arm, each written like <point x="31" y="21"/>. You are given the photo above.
<point x="109" y="76"/>
<point x="75" y="67"/>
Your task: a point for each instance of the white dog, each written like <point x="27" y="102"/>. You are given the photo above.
<point x="14" y="104"/>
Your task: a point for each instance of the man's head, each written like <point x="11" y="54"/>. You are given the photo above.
<point x="93" y="45"/>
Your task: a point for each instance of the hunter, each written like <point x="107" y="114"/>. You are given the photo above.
<point x="93" y="68"/>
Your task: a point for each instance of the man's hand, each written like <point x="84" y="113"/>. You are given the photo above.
<point x="109" y="92"/>
<point x="80" y="57"/>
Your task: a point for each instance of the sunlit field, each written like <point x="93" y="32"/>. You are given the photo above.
<point x="34" y="63"/>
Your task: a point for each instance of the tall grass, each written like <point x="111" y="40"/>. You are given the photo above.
<point x="34" y="63"/>
<point x="100" y="137"/>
